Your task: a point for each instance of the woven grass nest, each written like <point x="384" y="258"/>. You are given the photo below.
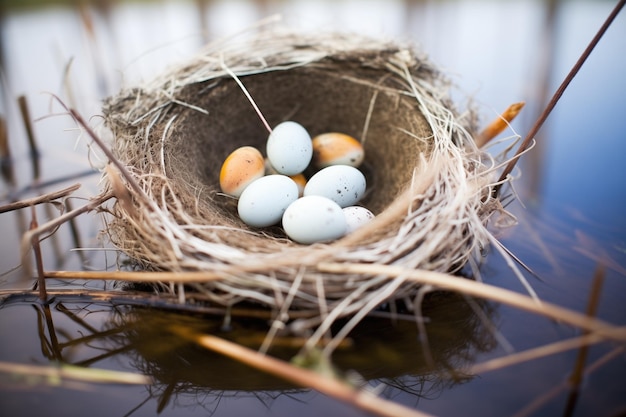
<point x="428" y="184"/>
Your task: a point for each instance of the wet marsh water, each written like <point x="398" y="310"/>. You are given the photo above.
<point x="573" y="190"/>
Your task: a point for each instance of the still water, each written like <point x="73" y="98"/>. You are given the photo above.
<point x="572" y="192"/>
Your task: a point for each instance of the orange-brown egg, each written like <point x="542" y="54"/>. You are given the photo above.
<point x="300" y="181"/>
<point x="240" y="168"/>
<point x="337" y="149"/>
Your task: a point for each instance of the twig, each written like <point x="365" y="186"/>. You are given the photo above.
<point x="55" y="373"/>
<point x="581" y="358"/>
<point x="32" y="235"/>
<point x="299" y="376"/>
<point x="557" y="95"/>
<point x="478" y="289"/>
<point x="138" y="276"/>
<point x="246" y="93"/>
<point x="536" y="353"/>
<point x="6" y="162"/>
<point x="34" y="150"/>
<point x="45" y="198"/>
<point x="38" y="259"/>
<point x="533" y="406"/>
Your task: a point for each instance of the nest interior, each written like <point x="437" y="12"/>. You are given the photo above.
<point x="322" y="98"/>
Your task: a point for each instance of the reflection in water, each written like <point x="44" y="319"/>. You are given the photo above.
<point x="380" y="352"/>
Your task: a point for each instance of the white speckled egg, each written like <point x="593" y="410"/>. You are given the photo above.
<point x="343" y="184"/>
<point x="337" y="149"/>
<point x="312" y="219"/>
<point x="356" y="216"/>
<point x="240" y="168"/>
<point x="289" y="148"/>
<point x="264" y="201"/>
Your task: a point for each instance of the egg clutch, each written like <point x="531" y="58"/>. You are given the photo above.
<point x="275" y="190"/>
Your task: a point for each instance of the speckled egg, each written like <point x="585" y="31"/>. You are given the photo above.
<point x="337" y="149"/>
<point x="240" y="168"/>
<point x="289" y="148"/>
<point x="356" y="216"/>
<point x="264" y="201"/>
<point x="343" y="184"/>
<point x="313" y="219"/>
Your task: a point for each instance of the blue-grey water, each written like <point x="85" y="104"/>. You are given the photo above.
<point x="572" y="190"/>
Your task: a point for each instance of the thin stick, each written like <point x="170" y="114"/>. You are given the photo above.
<point x="29" y="238"/>
<point x="38" y="259"/>
<point x="533" y="406"/>
<point x="75" y="372"/>
<point x="30" y="135"/>
<point x="557" y="95"/>
<point x="138" y="276"/>
<point x="494" y="128"/>
<point x="478" y="289"/>
<point x="75" y="232"/>
<point x="581" y="359"/>
<point x="330" y="386"/>
<point x="246" y="93"/>
<point x="134" y="185"/>
<point x="45" y="198"/>
<point x="536" y="353"/>
<point x="6" y="162"/>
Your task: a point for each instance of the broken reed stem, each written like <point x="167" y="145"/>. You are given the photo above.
<point x="122" y="169"/>
<point x="478" y="289"/>
<point x="44" y="198"/>
<point x="500" y="123"/>
<point x="557" y="95"/>
<point x="30" y="135"/>
<point x="581" y="359"/>
<point x="6" y="161"/>
<point x="41" y="282"/>
<point x="30" y="238"/>
<point x="302" y="377"/>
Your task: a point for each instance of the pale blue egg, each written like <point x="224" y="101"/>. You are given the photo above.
<point x="264" y="201"/>
<point x="343" y="184"/>
<point x="314" y="219"/>
<point x="289" y="148"/>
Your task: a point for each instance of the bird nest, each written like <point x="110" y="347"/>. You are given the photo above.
<point x="429" y="186"/>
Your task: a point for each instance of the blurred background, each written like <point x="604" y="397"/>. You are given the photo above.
<point x="572" y="185"/>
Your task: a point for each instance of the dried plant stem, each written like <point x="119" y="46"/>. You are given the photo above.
<point x="55" y="373"/>
<point x="539" y="352"/>
<point x="32" y="236"/>
<point x="330" y="386"/>
<point x="41" y="282"/>
<point x="581" y="359"/>
<point x="30" y="135"/>
<point x="138" y="276"/>
<point x="45" y="198"/>
<point x="494" y="128"/>
<point x="557" y="95"/>
<point x="246" y="93"/>
<point x="533" y="406"/>
<point x="490" y="292"/>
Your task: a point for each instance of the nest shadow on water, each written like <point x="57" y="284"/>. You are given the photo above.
<point x="428" y="184"/>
